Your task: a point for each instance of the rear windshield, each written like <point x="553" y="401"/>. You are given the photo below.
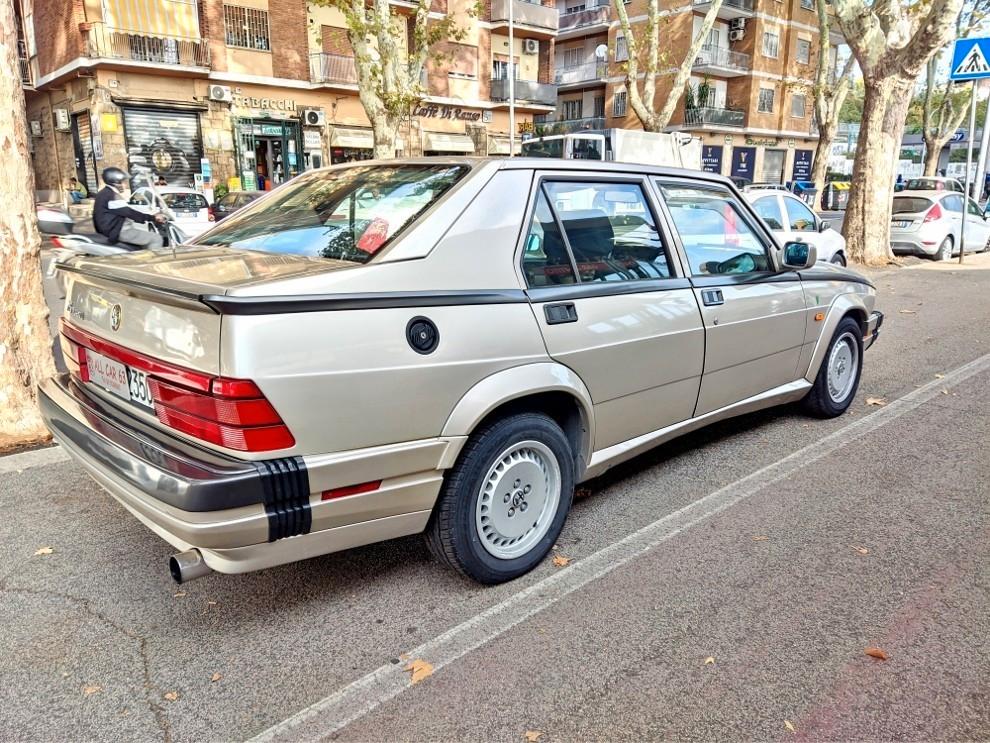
<point x="927" y="184"/>
<point x="348" y="214"/>
<point x="911" y="205"/>
<point x="184" y="201"/>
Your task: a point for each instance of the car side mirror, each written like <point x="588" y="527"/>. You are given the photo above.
<point x="799" y="255"/>
<point x="823" y="225"/>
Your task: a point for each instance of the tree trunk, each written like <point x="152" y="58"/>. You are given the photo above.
<point x="823" y="151"/>
<point x="384" y="133"/>
<point x="866" y="226"/>
<point x="25" y="340"/>
<point x="932" y="151"/>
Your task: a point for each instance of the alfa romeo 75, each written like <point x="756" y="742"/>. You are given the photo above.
<point x="441" y="345"/>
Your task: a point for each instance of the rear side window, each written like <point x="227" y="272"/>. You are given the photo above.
<point x="911" y="205"/>
<point x="347" y="214"/>
<point x="716" y="235"/>
<point x="922" y="184"/>
<point x="799" y="216"/>
<point x="953" y="203"/>
<point x="769" y="210"/>
<point x="608" y="229"/>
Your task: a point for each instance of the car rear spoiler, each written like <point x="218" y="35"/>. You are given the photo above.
<point x="175" y="297"/>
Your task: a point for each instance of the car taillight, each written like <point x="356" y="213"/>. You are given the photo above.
<point x="233" y="413"/>
<point x="933" y="214"/>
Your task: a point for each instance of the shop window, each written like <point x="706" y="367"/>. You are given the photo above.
<point x="765" y="103"/>
<point x="247" y="28"/>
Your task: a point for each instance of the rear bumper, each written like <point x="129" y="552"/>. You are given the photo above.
<point x="243" y="515"/>
<point x="872" y="329"/>
<point x="913" y="244"/>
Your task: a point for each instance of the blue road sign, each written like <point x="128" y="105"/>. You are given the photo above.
<point x="969" y="59"/>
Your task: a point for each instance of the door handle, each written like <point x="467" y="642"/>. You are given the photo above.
<point x="711" y="297"/>
<point x="559" y="313"/>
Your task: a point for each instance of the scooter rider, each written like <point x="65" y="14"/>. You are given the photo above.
<point x="116" y="221"/>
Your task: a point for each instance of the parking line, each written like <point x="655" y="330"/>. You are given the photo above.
<point x="355" y="700"/>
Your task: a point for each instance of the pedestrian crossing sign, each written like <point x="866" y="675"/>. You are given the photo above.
<point x="969" y="59"/>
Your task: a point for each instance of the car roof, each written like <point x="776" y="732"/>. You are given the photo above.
<point x="926" y="193"/>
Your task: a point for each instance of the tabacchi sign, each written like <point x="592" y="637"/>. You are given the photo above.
<point x="436" y="111"/>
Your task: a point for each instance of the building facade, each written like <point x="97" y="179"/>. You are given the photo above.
<point x="751" y="100"/>
<point x="249" y="93"/>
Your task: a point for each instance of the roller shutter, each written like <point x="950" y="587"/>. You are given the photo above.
<point x="167" y="142"/>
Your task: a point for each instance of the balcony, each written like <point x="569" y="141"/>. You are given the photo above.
<point x="104" y="42"/>
<point x="730" y="8"/>
<point x="720" y="61"/>
<point x="24" y="64"/>
<point x="568" y="126"/>
<point x="526" y="91"/>
<point x="596" y="15"/>
<point x="582" y="74"/>
<point x="713" y="116"/>
<point x="332" y="69"/>
<point x="531" y="20"/>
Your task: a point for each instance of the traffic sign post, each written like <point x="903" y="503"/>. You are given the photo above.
<point x="969" y="62"/>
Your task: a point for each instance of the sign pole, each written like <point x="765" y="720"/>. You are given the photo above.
<point x="512" y="80"/>
<point x="969" y="174"/>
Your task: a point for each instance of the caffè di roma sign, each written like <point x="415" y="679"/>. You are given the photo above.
<point x="453" y="113"/>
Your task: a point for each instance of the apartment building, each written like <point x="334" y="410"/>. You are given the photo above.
<point x="250" y="92"/>
<point x="751" y="100"/>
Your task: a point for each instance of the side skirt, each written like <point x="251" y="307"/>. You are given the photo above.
<point x="606" y="458"/>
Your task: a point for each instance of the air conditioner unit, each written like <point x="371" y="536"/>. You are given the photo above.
<point x="62" y="121"/>
<point x="531" y="46"/>
<point x="36" y="128"/>
<point x="737" y="24"/>
<point x="313" y="117"/>
<point x="736" y="35"/>
<point x="221" y="93"/>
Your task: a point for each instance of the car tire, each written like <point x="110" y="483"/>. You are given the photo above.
<point x="838" y="378"/>
<point x="513" y="464"/>
<point x="838" y="260"/>
<point x="944" y="251"/>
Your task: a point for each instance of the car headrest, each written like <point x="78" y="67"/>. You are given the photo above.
<point x="590" y="233"/>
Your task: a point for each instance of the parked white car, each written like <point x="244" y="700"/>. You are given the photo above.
<point x="929" y="223"/>
<point x="791" y="219"/>
<point x="191" y="211"/>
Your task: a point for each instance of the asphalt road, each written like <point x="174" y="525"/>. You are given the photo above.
<point x="723" y="587"/>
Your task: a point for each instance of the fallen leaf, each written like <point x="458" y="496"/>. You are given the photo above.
<point x="788" y="725"/>
<point x="216" y="677"/>
<point x="171" y="695"/>
<point x="909" y="312"/>
<point x="403" y="656"/>
<point x="559" y="561"/>
<point x="419" y="670"/>
<point x="761" y="538"/>
<point x="945" y="392"/>
<point x="878" y="401"/>
<point x="90" y="689"/>
<point x="862" y="550"/>
<point x="710" y="661"/>
<point x="179" y="595"/>
<point x="43" y="551"/>
<point x="939" y="376"/>
<point x="876" y="653"/>
<point x="533" y="735"/>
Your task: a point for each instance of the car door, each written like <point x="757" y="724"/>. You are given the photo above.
<point x="754" y="314"/>
<point x="802" y="224"/>
<point x="952" y="209"/>
<point x="611" y="302"/>
<point x="768" y="207"/>
<point x="977" y="228"/>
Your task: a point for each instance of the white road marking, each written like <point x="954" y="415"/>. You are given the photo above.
<point x="357" y="699"/>
<point x="35" y="458"/>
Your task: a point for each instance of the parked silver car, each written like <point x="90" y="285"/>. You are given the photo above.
<point x="930" y="222"/>
<point x="442" y="345"/>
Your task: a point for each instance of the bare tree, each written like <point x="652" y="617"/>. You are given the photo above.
<point x="829" y="92"/>
<point x="942" y="111"/>
<point x="646" y="49"/>
<point x="390" y="75"/>
<point x="25" y="341"/>
<point x="892" y="41"/>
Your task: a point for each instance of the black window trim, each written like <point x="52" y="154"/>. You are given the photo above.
<point x="606" y="288"/>
<point x="749" y="216"/>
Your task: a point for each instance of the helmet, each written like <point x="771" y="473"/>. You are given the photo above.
<point x="115" y="176"/>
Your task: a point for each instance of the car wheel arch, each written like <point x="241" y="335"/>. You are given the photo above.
<point x="843" y="305"/>
<point x="549" y="388"/>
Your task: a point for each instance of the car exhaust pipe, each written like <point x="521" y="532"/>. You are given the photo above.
<point x="187" y="566"/>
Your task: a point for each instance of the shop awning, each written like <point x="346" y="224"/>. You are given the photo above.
<point x="500" y="145"/>
<point x="176" y="19"/>
<point x="437" y="142"/>
<point x="358" y="139"/>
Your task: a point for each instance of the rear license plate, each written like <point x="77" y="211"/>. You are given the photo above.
<point x="120" y="379"/>
<point x="899" y="223"/>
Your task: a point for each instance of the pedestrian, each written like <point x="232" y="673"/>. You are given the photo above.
<point x="77" y="191"/>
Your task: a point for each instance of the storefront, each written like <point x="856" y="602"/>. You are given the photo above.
<point x="163" y="143"/>
<point x="350" y="144"/>
<point x="267" y="152"/>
